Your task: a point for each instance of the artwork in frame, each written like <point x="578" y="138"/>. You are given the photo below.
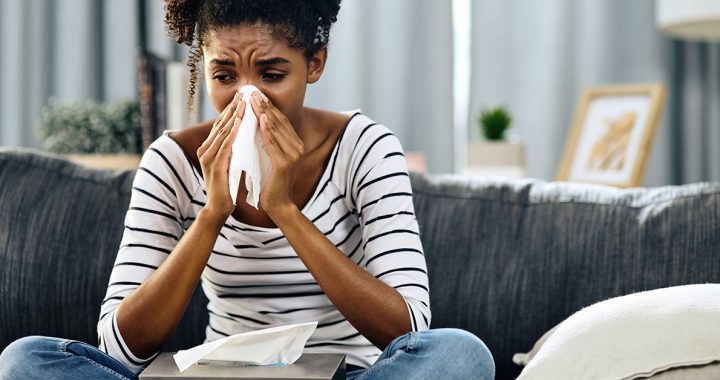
<point x="612" y="133"/>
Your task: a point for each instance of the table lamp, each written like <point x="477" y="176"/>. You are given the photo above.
<point x="694" y="20"/>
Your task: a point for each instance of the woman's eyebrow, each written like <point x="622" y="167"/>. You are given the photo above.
<point x="271" y="61"/>
<point x="221" y="62"/>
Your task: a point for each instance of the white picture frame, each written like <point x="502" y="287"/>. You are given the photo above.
<point x="612" y="133"/>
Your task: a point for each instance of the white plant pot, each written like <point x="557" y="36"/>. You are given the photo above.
<point x="496" y="159"/>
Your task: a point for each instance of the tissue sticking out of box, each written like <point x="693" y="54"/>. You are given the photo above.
<point x="272" y="346"/>
<point x="248" y="154"/>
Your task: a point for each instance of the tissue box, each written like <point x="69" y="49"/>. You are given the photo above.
<point x="309" y="366"/>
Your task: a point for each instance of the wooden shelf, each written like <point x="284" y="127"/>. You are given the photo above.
<point x="106" y="161"/>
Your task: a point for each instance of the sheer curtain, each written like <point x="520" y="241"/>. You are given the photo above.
<point x="392" y="59"/>
<point x="68" y="49"/>
<point x="536" y="58"/>
<point x="25" y="77"/>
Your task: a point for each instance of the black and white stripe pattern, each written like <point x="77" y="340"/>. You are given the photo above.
<point x="253" y="278"/>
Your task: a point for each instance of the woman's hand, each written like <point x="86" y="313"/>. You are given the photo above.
<point x="214" y="155"/>
<point x="285" y="150"/>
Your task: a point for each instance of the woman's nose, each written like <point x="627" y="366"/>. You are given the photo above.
<point x="255" y="86"/>
<point x="241" y="86"/>
<point x="243" y="81"/>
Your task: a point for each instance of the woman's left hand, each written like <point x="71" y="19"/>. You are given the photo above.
<point x="285" y="150"/>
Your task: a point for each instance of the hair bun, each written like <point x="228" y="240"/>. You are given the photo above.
<point x="327" y="10"/>
<point x="181" y="18"/>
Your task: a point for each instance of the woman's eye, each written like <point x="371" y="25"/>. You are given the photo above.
<point x="221" y="77"/>
<point x="273" y="76"/>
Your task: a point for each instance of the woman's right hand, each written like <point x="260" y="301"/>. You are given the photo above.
<point x="214" y="155"/>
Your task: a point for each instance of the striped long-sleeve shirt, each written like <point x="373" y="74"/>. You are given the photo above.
<point x="253" y="278"/>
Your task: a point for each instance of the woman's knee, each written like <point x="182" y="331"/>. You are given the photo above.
<point x="20" y="353"/>
<point x="466" y="350"/>
<point x="29" y="345"/>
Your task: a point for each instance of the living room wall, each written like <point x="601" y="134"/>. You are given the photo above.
<point x="394" y="59"/>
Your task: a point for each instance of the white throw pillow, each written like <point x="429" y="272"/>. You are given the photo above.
<point x="629" y="337"/>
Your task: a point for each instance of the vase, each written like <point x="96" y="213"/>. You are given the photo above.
<point x="496" y="159"/>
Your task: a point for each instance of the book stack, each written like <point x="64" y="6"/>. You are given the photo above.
<point x="163" y="94"/>
<point x="151" y="94"/>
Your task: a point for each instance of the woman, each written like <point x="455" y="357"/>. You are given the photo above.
<point x="334" y="238"/>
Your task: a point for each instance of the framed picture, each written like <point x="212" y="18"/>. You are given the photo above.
<point x="612" y="132"/>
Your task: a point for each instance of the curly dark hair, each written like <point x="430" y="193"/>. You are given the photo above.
<point x="303" y="24"/>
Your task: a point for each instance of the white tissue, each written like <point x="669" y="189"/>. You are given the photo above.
<point x="275" y="345"/>
<point x="248" y="154"/>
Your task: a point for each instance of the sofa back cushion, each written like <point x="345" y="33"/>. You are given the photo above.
<point x="60" y="229"/>
<point x="509" y="259"/>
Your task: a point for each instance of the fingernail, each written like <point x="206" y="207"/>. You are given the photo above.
<point x="259" y="96"/>
<point x="236" y="97"/>
<point x="264" y="97"/>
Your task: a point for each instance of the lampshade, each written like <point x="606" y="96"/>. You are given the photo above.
<point x="689" y="19"/>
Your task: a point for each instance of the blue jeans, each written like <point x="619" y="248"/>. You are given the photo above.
<point x="432" y="354"/>
<point x="39" y="357"/>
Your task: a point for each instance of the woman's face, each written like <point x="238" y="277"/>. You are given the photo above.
<point x="249" y="54"/>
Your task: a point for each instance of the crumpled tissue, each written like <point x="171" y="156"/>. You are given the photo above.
<point x="272" y="346"/>
<point x="248" y="154"/>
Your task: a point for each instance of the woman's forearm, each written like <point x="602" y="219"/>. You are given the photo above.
<point x="148" y="315"/>
<point x="374" y="308"/>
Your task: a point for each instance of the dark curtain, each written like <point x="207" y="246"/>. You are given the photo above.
<point x="694" y="105"/>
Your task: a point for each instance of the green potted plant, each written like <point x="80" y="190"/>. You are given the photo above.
<point x="497" y="154"/>
<point x="494" y="122"/>
<point x="104" y="135"/>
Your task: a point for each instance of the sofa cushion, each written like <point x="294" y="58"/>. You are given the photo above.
<point x="60" y="229"/>
<point x="633" y="336"/>
<point x="700" y="372"/>
<point x="507" y="259"/>
<point x="510" y="259"/>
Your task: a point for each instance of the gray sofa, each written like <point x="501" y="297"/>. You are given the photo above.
<point x="508" y="259"/>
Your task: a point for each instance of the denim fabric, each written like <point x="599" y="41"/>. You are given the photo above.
<point x="433" y="354"/>
<point x="43" y="358"/>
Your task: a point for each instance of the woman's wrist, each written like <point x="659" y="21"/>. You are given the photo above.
<point x="281" y="214"/>
<point x="215" y="219"/>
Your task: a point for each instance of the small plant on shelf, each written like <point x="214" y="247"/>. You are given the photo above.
<point x="494" y="122"/>
<point x="92" y="127"/>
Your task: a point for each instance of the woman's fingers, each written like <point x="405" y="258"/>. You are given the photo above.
<point x="223" y="133"/>
<point x="240" y="109"/>
<point x="225" y="150"/>
<point x="275" y="130"/>
<point x="229" y="110"/>
<point x="221" y="121"/>
<point x="270" y="142"/>
<point x="214" y="156"/>
<point x="284" y="130"/>
<point x="277" y="127"/>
